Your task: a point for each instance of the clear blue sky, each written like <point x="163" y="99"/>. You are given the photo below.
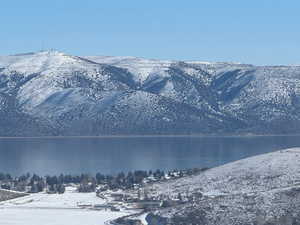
<point x="254" y="31"/>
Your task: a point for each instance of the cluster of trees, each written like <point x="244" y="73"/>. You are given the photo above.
<point x="36" y="183"/>
<point x="31" y="183"/>
<point x="55" y="184"/>
<point x="5" y="176"/>
<point x="86" y="183"/>
<point x="126" y="181"/>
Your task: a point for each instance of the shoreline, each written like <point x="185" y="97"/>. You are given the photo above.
<point x="152" y="136"/>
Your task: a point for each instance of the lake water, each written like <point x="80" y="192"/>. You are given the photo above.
<point x="111" y="155"/>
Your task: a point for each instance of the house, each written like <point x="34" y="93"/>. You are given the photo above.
<point x="144" y="204"/>
<point x="101" y="206"/>
<point x="106" y="207"/>
<point x="84" y="205"/>
<point x="120" y="197"/>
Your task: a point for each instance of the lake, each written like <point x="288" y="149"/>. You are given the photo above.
<point x="110" y="155"/>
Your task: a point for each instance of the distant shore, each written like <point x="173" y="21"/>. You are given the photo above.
<point x="151" y="136"/>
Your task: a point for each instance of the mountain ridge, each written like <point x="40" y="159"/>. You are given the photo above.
<point x="55" y="94"/>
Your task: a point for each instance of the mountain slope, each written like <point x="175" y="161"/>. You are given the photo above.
<point x="52" y="93"/>
<point x="263" y="189"/>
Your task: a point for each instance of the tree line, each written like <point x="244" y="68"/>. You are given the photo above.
<point x="86" y="182"/>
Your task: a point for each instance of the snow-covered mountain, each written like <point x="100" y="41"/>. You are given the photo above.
<point x="52" y="93"/>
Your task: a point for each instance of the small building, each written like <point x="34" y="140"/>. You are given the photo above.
<point x="170" y="203"/>
<point x="101" y="206"/>
<point x="114" y="209"/>
<point x="84" y="205"/>
<point x="106" y="207"/>
<point x="120" y="197"/>
<point x="147" y="205"/>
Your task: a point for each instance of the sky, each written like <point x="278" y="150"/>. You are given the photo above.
<point x="261" y="32"/>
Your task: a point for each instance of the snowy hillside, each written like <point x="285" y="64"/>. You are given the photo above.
<point x="52" y="93"/>
<point x="264" y="189"/>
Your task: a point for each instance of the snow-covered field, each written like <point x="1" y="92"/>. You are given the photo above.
<point x="55" y="209"/>
<point x="31" y="216"/>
